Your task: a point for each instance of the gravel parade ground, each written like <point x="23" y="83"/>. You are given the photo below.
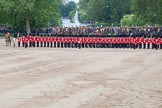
<point x="80" y="78"/>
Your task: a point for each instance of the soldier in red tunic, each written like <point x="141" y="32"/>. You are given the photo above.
<point x="104" y="42"/>
<point x="45" y="40"/>
<point x="121" y="42"/>
<point x="156" y="43"/>
<point x="58" y="42"/>
<point x="117" y="42"/>
<point x="19" y="41"/>
<point x="161" y="43"/>
<point x="67" y="42"/>
<point x="51" y="42"/>
<point x="131" y="42"/>
<point x="144" y="43"/>
<point x="48" y="40"/>
<point x="41" y="40"/>
<point x="107" y="42"/>
<point x="79" y="42"/>
<point x="71" y="42"/>
<point x="75" y="42"/>
<point x="140" y="42"/>
<point x="148" y="40"/>
<point x="23" y="40"/>
<point x="85" y="42"/>
<point x="95" y="42"/>
<point x="153" y="41"/>
<point x="89" y="42"/>
<point x="38" y="40"/>
<point x="54" y="41"/>
<point x="62" y="42"/>
<point x="159" y="39"/>
<point x="135" y="43"/>
<point x="26" y="42"/>
<point x="34" y="40"/>
<point x="113" y="42"/>
<point x="30" y="41"/>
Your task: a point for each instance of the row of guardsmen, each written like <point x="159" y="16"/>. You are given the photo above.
<point x="90" y="42"/>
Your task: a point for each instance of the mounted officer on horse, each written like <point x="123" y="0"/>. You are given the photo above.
<point x="8" y="39"/>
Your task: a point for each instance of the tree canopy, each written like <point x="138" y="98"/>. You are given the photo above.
<point x="30" y="14"/>
<point x="112" y="11"/>
<point x="67" y="8"/>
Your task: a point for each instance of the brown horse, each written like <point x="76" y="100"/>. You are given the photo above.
<point x="8" y="39"/>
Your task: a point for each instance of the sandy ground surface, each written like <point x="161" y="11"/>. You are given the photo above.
<point x="86" y="78"/>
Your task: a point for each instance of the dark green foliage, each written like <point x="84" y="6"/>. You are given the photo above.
<point x="67" y="8"/>
<point x="30" y="14"/>
<point x="146" y="12"/>
<point x="110" y="11"/>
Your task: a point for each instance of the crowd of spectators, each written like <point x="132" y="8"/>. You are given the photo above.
<point x="4" y="29"/>
<point x="110" y="31"/>
<point x="146" y="31"/>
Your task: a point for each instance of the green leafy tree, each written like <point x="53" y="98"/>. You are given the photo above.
<point x="29" y="14"/>
<point x="67" y="8"/>
<point x="128" y="20"/>
<point x="109" y="11"/>
<point x="148" y="11"/>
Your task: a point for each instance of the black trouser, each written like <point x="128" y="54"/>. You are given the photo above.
<point x="26" y="45"/>
<point x="137" y="45"/>
<point x="105" y="45"/>
<point x="156" y="46"/>
<point x="33" y="44"/>
<point x="47" y="44"/>
<point x="18" y="44"/>
<point x="68" y="45"/>
<point x="55" y="44"/>
<point x="41" y="44"/>
<point x="71" y="45"/>
<point x="140" y="46"/>
<point x="58" y="44"/>
<point x="37" y="44"/>
<point x="62" y="44"/>
<point x="119" y="45"/>
<point x="148" y="46"/>
<point x="44" y="44"/>
<point x="30" y="44"/>
<point x="93" y="45"/>
<point x="65" y="45"/>
<point x="144" y="46"/>
<point x="79" y="45"/>
<point x="134" y="45"/>
<point x="75" y="45"/>
<point x="153" y="46"/>
<point x="128" y="45"/>
<point x="110" y="45"/>
<point x="82" y="44"/>
<point x="23" y="44"/>
<point x="86" y="45"/>
<point x="160" y="46"/>
<point x="51" y="44"/>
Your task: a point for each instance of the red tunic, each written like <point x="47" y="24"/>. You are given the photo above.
<point x="26" y="40"/>
<point x="144" y="41"/>
<point x="161" y="41"/>
<point x="19" y="39"/>
<point x="38" y="39"/>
